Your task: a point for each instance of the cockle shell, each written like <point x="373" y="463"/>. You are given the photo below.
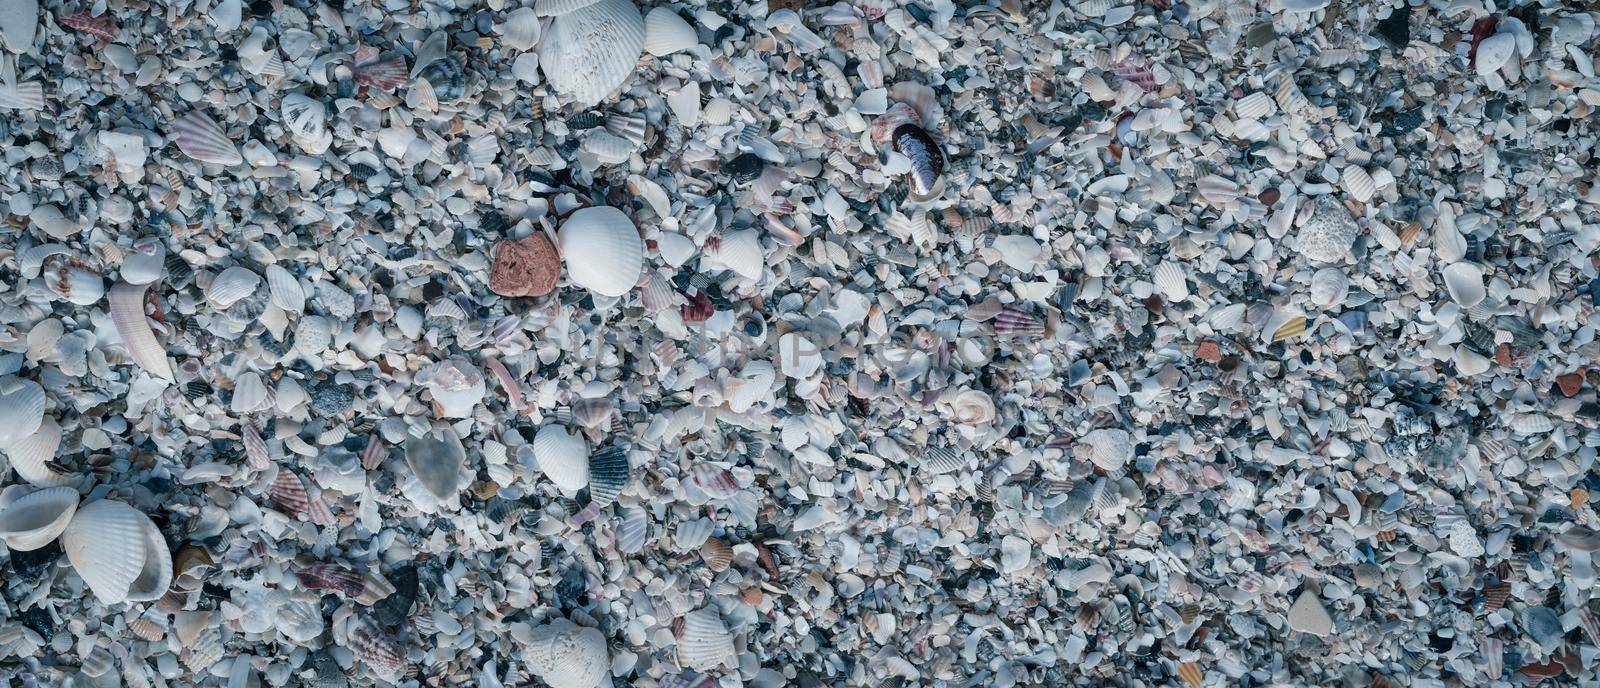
<point x="119" y="552"/>
<point x="564" y="654"/>
<point x="741" y="252"/>
<point x="436" y="460"/>
<point x="602" y="250"/>
<point x="563" y="457"/>
<point x="31" y="456"/>
<point x="666" y="32"/>
<point x="22" y="405"/>
<point x="284" y="289"/>
<point x="1358" y="183"/>
<point x="589" y="52"/>
<point x="1108" y="448"/>
<point x="521" y="29"/>
<point x="201" y="138"/>
<point x="1172" y="280"/>
<point x="37" y="518"/>
<point x="231" y="285"/>
<point x="704" y="642"/>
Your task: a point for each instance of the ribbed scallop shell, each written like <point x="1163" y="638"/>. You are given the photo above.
<point x="1172" y="280"/>
<point x="376" y="648"/>
<point x="666" y="32"/>
<point x="521" y="29"/>
<point x="285" y="290"/>
<point x="1358" y="183"/>
<point x="741" y="252"/>
<point x="634" y="530"/>
<point x="303" y="116"/>
<point x="563" y="457"/>
<point x="118" y="551"/>
<point x="1290" y="98"/>
<point x="556" y="8"/>
<point x="631" y="128"/>
<point x="32" y="455"/>
<point x="691" y="534"/>
<point x="201" y="138"/>
<point x="602" y="250"/>
<point x="231" y="285"/>
<point x="1530" y="423"/>
<point x="1255" y="106"/>
<point x="939" y="460"/>
<point x="717" y="554"/>
<point x="24" y="96"/>
<point x="22" y="405"/>
<point x="714" y="482"/>
<point x="1329" y="286"/>
<point x="914" y="227"/>
<point x="1017" y="322"/>
<point x="436" y="460"/>
<point x="609" y="470"/>
<point x="606" y="147"/>
<point x="588" y="53"/>
<point x="250" y="394"/>
<point x="37" y="518"/>
<point x="300" y="620"/>
<point x="324" y="576"/>
<point x="704" y="642"/>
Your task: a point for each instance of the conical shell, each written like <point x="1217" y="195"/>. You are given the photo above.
<point x="21" y="409"/>
<point x="125" y="303"/>
<point x="1464" y="281"/>
<point x="285" y="290"/>
<point x="741" y="252"/>
<point x="666" y="32"/>
<point x="588" y="53"/>
<point x="602" y="250"/>
<point x="31" y="456"/>
<point x="118" y="551"/>
<point x="705" y="642"/>
<point x="436" y="460"/>
<point x="38" y="517"/>
<point x="563" y="456"/>
<point x="231" y="285"/>
<point x="521" y="30"/>
<point x="1172" y="280"/>
<point x="201" y="138"/>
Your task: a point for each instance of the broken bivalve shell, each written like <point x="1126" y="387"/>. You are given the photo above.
<point x="666" y="32"/>
<point x="35" y="519"/>
<point x="119" y="552"/>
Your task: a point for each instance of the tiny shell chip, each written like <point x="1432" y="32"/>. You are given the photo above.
<point x="201" y="138"/>
<point x="588" y="53"/>
<point x="602" y="250"/>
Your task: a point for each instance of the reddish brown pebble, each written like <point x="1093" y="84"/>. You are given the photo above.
<point x="525" y="267"/>
<point x="1270" y="197"/>
<point x="1209" y="351"/>
<point x="1570" y="383"/>
<point x="1502" y="356"/>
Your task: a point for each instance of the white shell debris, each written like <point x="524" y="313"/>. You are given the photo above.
<point x="855" y="343"/>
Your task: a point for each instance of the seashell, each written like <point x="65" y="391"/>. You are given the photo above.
<point x="284" y="290"/>
<point x="385" y="73"/>
<point x="305" y="118"/>
<point x="204" y="652"/>
<point x="1016" y="322"/>
<point x="741" y="252"/>
<point x="324" y="576"/>
<point x="447" y="79"/>
<point x="1530" y="423"/>
<point x="201" y="138"/>
<point x="691" y="534"/>
<point x="76" y="285"/>
<point x="1107" y="448"/>
<point x="1329" y="232"/>
<point x="1358" y="183"/>
<point x="145" y="262"/>
<point x="607" y="148"/>
<point x="1218" y="191"/>
<point x="19" y="21"/>
<point x="37" y="518"/>
<point x="713" y="481"/>
<point x="563" y="457"/>
<point x="190" y="567"/>
<point x="288" y="494"/>
<point x="250" y="394"/>
<point x="1171" y="279"/>
<point x="300" y="620"/>
<point x="1285" y="325"/>
<point x="1577" y="538"/>
<point x="566" y="655"/>
<point x="1464" y="281"/>
<point x="22" y="404"/>
<point x="232" y="285"/>
<point x="28" y="95"/>
<point x="941" y="460"/>
<point x="914" y="228"/>
<point x="436" y="460"/>
<point x="631" y="128"/>
<point x="32" y="456"/>
<point x="1495" y="52"/>
<point x="634" y="531"/>
<point x="1329" y="287"/>
<point x="602" y="250"/>
<point x="376" y="648"/>
<point x="717" y="554"/>
<point x="609" y="470"/>
<point x="925" y="154"/>
<point x="666" y="32"/>
<point x="1255" y="106"/>
<point x="556" y="8"/>
<point x="125" y="303"/>
<point x="1469" y="362"/>
<point x="704" y="642"/>
<point x="521" y="29"/>
<point x="456" y="386"/>
<point x="118" y="551"/>
<point x="30" y="261"/>
<point x="590" y="51"/>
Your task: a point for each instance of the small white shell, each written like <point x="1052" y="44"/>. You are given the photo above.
<point x="231" y="285"/>
<point x="1227" y="317"/>
<point x="36" y="518"/>
<point x="588" y="53"/>
<point x="31" y="456"/>
<point x="145" y="262"/>
<point x="566" y="655"/>
<point x="634" y="531"/>
<point x="436" y="461"/>
<point x="313" y="335"/>
<point x="521" y="30"/>
<point x="284" y="290"/>
<point x="1464" y="281"/>
<point x="118" y="551"/>
<point x="666" y="32"/>
<point x="76" y="285"/>
<point x="250" y="394"/>
<point x="1108" y="448"/>
<point x="706" y="643"/>
<point x="1254" y="106"/>
<point x="691" y="534"/>
<point x="1495" y="52"/>
<point x="563" y="456"/>
<point x="602" y="250"/>
<point x="556" y="8"/>
<point x="305" y="118"/>
<point x="1469" y="362"/>
<point x="1329" y="286"/>
<point x="201" y="138"/>
<point x="21" y="409"/>
<point x="456" y="386"/>
<point x="1358" y="183"/>
<point x="1171" y="279"/>
<point x="741" y="252"/>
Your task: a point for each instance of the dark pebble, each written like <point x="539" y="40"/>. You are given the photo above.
<point x="746" y="168"/>
<point x="38" y="619"/>
<point x="1402" y="123"/>
<point x="330" y="398"/>
<point x="396" y="608"/>
<point x="261" y="9"/>
<point x="1395" y="29"/>
<point x="30" y="565"/>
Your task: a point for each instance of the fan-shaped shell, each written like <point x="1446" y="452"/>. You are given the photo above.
<point x="201" y="138"/>
<point x="250" y="394"/>
<point x="589" y="52"/>
<point x="521" y="30"/>
<point x="741" y="252"/>
<point x="634" y="530"/>
<point x="1329" y="286"/>
<point x="1358" y="183"/>
<point x="1108" y="448"/>
<point x="303" y="116"/>
<point x="563" y="456"/>
<point x="1172" y="280"/>
<point x="436" y="459"/>
<point x="28" y="95"/>
<point x="31" y="456"/>
<point x="602" y="250"/>
<point x="717" y="554"/>
<point x="666" y="32"/>
<point x="231" y="285"/>
<point x="285" y="290"/>
<point x="556" y="8"/>
<point x="125" y="303"/>
<point x="1464" y="281"/>
<point x="938" y="460"/>
<point x="21" y="409"/>
<point x="1255" y="106"/>
<point x="36" y="518"/>
<point x="691" y="534"/>
<point x="705" y="642"/>
<point x="566" y="655"/>
<point x="609" y="469"/>
<point x="119" y="552"/>
<point x="1495" y="52"/>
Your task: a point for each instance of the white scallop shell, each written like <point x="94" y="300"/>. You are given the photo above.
<point x="1469" y="362"/>
<point x="21" y="409"/>
<point x="1448" y="242"/>
<point x="634" y="531"/>
<point x="521" y="30"/>
<point x="1255" y="106"/>
<point x="563" y="456"/>
<point x="1329" y="286"/>
<point x="556" y="8"/>
<point x="284" y="290"/>
<point x="741" y="252"/>
<point x="145" y="262"/>
<point x="566" y="655"/>
<point x="692" y="533"/>
<point x="1108" y="448"/>
<point x="1172" y="280"/>
<point x="706" y="643"/>
<point x="666" y="32"/>
<point x="118" y="551"/>
<point x="28" y="95"/>
<point x="125" y="303"/>
<point x="1495" y="52"/>
<point x="300" y="620"/>
<point x="1464" y="281"/>
<point x="602" y="250"/>
<point x="31" y="456"/>
<point x="231" y="285"/>
<point x="36" y="518"/>
<point x="201" y="138"/>
<point x="1227" y="317"/>
<point x="76" y="285"/>
<point x="588" y="53"/>
<point x="607" y="148"/>
<point x="250" y="394"/>
<point x="1358" y="183"/>
<point x="304" y="117"/>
